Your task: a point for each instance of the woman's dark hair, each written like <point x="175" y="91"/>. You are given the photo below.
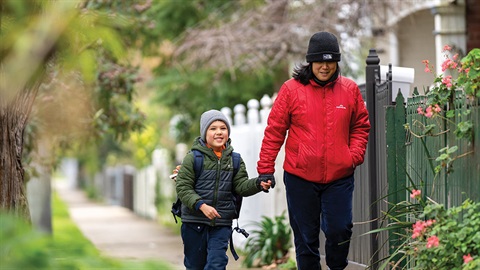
<point x="303" y="73"/>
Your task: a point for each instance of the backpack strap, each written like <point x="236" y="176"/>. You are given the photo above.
<point x="236" y="162"/>
<point x="197" y="167"/>
<point x="236" y="167"/>
<point x="197" y="163"/>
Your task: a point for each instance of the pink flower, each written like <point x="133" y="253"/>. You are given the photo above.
<point x="432" y="241"/>
<point x="427" y="68"/>
<point x="420" y="227"/>
<point x="455" y="57"/>
<point x="447" y="48"/>
<point x="447" y="81"/>
<point x="448" y="63"/>
<point x="420" y="110"/>
<point x="467" y="258"/>
<point x="429" y="112"/>
<point x="437" y="108"/>
<point x="415" y="193"/>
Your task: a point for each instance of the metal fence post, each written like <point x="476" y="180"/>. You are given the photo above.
<point x="372" y="75"/>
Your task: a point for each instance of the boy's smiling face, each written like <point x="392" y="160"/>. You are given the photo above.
<point x="217" y="135"/>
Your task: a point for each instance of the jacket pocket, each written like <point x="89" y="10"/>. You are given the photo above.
<point x="341" y="164"/>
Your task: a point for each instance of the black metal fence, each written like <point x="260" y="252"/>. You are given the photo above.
<point x="398" y="159"/>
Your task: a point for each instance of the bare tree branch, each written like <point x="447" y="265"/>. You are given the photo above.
<point x="276" y="32"/>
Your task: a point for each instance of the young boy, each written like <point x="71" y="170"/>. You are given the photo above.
<point x="208" y="206"/>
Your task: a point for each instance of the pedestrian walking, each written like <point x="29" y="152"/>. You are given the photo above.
<point x="327" y="124"/>
<point x="208" y="201"/>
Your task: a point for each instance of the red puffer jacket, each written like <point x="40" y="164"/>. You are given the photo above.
<point x="327" y="130"/>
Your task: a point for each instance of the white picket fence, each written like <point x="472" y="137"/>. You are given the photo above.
<point x="247" y="133"/>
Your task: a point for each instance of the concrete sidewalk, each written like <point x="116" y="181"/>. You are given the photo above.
<point x="119" y="233"/>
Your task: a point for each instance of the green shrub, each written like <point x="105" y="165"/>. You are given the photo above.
<point x="268" y="244"/>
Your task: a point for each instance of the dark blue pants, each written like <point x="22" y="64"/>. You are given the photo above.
<point x="312" y="206"/>
<point x="205" y="247"/>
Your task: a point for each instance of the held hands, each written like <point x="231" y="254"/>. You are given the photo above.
<point x="265" y="182"/>
<point x="209" y="211"/>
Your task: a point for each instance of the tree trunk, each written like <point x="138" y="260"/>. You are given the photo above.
<point x="13" y="119"/>
<point x="39" y="188"/>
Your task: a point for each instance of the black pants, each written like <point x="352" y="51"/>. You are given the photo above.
<point x="312" y="206"/>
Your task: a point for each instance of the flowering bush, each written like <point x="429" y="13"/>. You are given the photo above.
<point x="445" y="238"/>
<point x="436" y="237"/>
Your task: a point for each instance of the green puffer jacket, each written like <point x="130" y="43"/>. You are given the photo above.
<point x="214" y="186"/>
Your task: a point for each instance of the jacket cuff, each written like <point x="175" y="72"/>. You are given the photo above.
<point x="198" y="204"/>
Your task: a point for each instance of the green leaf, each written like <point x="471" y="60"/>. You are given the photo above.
<point x="452" y="149"/>
<point x="450" y="114"/>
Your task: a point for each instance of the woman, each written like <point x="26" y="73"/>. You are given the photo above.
<point x="328" y="126"/>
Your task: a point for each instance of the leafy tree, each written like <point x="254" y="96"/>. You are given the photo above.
<point x="158" y="27"/>
<point x="67" y="57"/>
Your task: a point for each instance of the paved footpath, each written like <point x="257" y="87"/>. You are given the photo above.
<point x="119" y="233"/>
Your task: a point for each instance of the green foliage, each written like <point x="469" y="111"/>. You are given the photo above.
<point x="144" y="143"/>
<point x="153" y="22"/>
<point x="445" y="158"/>
<point x="291" y="264"/>
<point x="458" y="233"/>
<point x="22" y="247"/>
<point x="114" y="93"/>
<point x="78" y="49"/>
<point x="191" y="93"/>
<point x="269" y="243"/>
<point x="470" y="77"/>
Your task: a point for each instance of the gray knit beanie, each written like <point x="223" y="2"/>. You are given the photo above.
<point x="208" y="118"/>
<point x="323" y="47"/>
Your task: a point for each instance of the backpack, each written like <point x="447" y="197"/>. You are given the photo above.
<point x="198" y="168"/>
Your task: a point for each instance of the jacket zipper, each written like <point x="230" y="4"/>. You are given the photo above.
<point x="215" y="195"/>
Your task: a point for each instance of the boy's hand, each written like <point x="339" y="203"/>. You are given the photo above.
<point x="266" y="185"/>
<point x="209" y="211"/>
<point x="266" y="177"/>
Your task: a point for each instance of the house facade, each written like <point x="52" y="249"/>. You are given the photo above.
<point x="419" y="29"/>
